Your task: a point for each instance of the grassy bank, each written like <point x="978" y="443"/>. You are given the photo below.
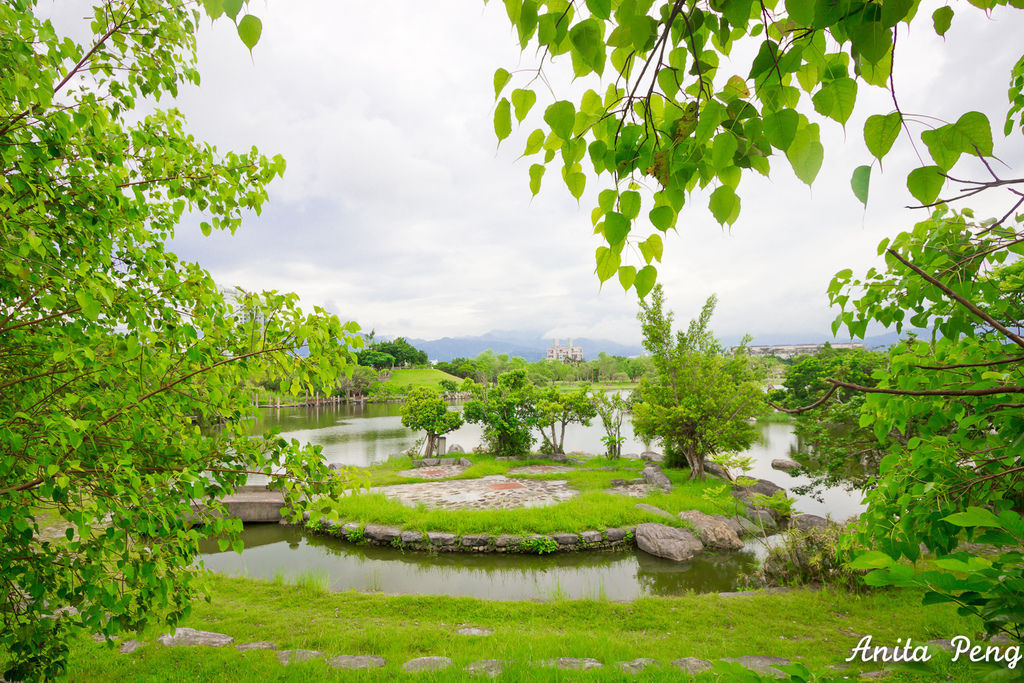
<point x="814" y="628"/>
<point x="418" y="377"/>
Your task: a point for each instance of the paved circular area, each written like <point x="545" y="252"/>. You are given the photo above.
<point x="489" y="493"/>
<point x="438" y="472"/>
<point x="541" y="469"/>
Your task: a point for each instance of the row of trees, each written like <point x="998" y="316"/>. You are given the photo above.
<point x="486" y="367"/>
<point x="388" y="354"/>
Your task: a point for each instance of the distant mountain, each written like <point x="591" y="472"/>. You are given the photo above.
<point x="528" y="345"/>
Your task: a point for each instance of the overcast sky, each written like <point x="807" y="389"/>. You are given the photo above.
<point x="399" y="211"/>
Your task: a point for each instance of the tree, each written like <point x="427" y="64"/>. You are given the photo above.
<point x="559" y="409"/>
<point x="402" y="351"/>
<point x="425" y="410"/>
<point x="612" y="408"/>
<point x="699" y="400"/>
<point x="508" y="412"/>
<point x="356" y="384"/>
<point x="375" y="359"/>
<point x="112" y="350"/>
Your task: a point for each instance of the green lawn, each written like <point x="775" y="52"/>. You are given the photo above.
<point x="419" y="377"/>
<point x="816" y="628"/>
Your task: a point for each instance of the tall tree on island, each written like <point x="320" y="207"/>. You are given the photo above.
<point x="425" y="410"/>
<point x="699" y="399"/>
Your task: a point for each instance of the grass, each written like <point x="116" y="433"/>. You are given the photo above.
<point x="817" y="628"/>
<point x="593" y="509"/>
<point x="419" y="377"/>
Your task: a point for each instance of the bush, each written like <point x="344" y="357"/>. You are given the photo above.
<point x="811" y="556"/>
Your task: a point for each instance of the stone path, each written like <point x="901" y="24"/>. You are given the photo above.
<point x="187" y="637"/>
<point x="494" y="492"/>
<point x="438" y="472"/>
<point x="541" y="469"/>
<point x="632" y="490"/>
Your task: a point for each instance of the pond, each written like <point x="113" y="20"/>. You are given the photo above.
<point x="361" y="435"/>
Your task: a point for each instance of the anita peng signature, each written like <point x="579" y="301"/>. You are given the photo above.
<point x="962" y="647"/>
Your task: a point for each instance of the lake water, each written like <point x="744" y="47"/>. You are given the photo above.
<point x="361" y="435"/>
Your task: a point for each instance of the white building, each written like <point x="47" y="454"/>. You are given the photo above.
<point x="566" y="354"/>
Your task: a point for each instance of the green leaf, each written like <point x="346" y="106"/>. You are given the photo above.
<point x="232" y="7"/>
<point x="527" y="23"/>
<point x="872" y="559"/>
<point x="629" y="204"/>
<point x="502" y="119"/>
<point x="880" y="132"/>
<point x="806" y="153"/>
<point x="974" y="516"/>
<point x="975" y="127"/>
<point x="942" y="18"/>
<point x="626" y="276"/>
<point x="602" y="9"/>
<point x="722" y="150"/>
<point x="585" y="37"/>
<point x="780" y="128"/>
<point x="859" y="183"/>
<point x="501" y="79"/>
<point x="724" y="205"/>
<point x="523" y="101"/>
<point x="576" y="182"/>
<point x="560" y="116"/>
<point x="644" y="281"/>
<point x="249" y="30"/>
<point x="616" y="227"/>
<point x="214" y="8"/>
<point x="872" y="40"/>
<point x="652" y="248"/>
<point x="607" y="263"/>
<point x="534" y="142"/>
<point x="662" y="217"/>
<point x="836" y="99"/>
<point x="536" y="173"/>
<point x="925" y="183"/>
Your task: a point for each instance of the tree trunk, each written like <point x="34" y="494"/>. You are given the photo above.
<point x="696" y="462"/>
<point x="431" y="444"/>
<point x="561" y="440"/>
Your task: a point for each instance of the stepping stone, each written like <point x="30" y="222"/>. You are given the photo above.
<point x="427" y="664"/>
<point x="130" y="646"/>
<point x="292" y="656"/>
<point x="100" y="638"/>
<point x="474" y="631"/>
<point x="691" y="665"/>
<point x="680" y="545"/>
<point x="655" y="510"/>
<point x="257" y="645"/>
<point x="356" y="662"/>
<point x="486" y="667"/>
<point x="592" y="537"/>
<point x="572" y="663"/>
<point x="761" y="664"/>
<point x="188" y="637"/>
<point x="875" y="675"/>
<point x="637" y="665"/>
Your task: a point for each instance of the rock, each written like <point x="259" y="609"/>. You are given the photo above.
<point x="717" y="470"/>
<point x="637" y="665"/>
<point x="1000" y="639"/>
<point x="381" y="533"/>
<point x="295" y="656"/>
<point x="350" y="528"/>
<point x="427" y="664"/>
<point x="761" y="486"/>
<point x="356" y="662"/>
<point x="428" y="462"/>
<point x="806" y="522"/>
<point x="558" y="457"/>
<point x="617" y="482"/>
<point x="732" y="522"/>
<point x="656" y="511"/>
<point x="475" y="541"/>
<point x="614" y="535"/>
<point x="456" y="448"/>
<point x="761" y="664"/>
<point x="486" y="667"/>
<point x="668" y="542"/>
<point x="691" y="665"/>
<point x="784" y="464"/>
<point x="762" y="518"/>
<point x="566" y="539"/>
<point x="712" y="532"/>
<point x="474" y="631"/>
<point x="875" y="675"/>
<point x="655" y="477"/>
<point x="441" y="539"/>
<point x="130" y="646"/>
<point x="507" y="541"/>
<point x="591" y="537"/>
<point x="187" y="637"/>
<point x="410" y="537"/>
<point x="100" y="638"/>
<point x="572" y="663"/>
<point x="257" y="645"/>
<point x="465" y="462"/>
<point x="651" y="456"/>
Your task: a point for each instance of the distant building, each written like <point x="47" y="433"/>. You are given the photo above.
<point x="790" y="350"/>
<point x="566" y="354"/>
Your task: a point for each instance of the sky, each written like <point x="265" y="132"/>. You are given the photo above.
<point x="398" y="209"/>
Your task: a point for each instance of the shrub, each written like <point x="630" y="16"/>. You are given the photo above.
<point x="811" y="556"/>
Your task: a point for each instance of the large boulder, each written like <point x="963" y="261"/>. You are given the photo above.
<point x="806" y="522"/>
<point x="651" y="456"/>
<point x="655" y="510"/>
<point x="712" y="532"/>
<point x="669" y="542"/>
<point x="456" y="448"/>
<point x="760" y="486"/>
<point x="716" y="470"/>
<point x="784" y="464"/>
<point x="655" y="477"/>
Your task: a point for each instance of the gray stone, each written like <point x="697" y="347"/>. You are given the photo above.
<point x="294" y="656"/>
<point x="733" y="523"/>
<point x="475" y="541"/>
<point x="691" y="665"/>
<point x="592" y="537"/>
<point x="411" y="537"/>
<point x="566" y="539"/>
<point x="187" y="637"/>
<point x="474" y="631"/>
<point x="1000" y="639"/>
<point x="356" y="662"/>
<point x="875" y="675"/>
<point x="655" y="477"/>
<point x="257" y="645"/>
<point x="427" y="664"/>
<point x="761" y="664"/>
<point x="714" y="469"/>
<point x="442" y="539"/>
<point x="651" y="456"/>
<point x="668" y="542"/>
<point x="350" y="528"/>
<point x="806" y="522"/>
<point x="507" y="541"/>
<point x="130" y="646"/>
<point x="572" y="663"/>
<point x="100" y="638"/>
<point x="760" y="486"/>
<point x="617" y="482"/>
<point x="614" y="535"/>
<point x="465" y="462"/>
<point x="762" y="518"/>
<point x="428" y="462"/>
<point x="305" y="515"/>
<point x="381" y="533"/>
<point x="456" y="448"/>
<point x="655" y="510"/>
<point x="712" y="532"/>
<point x="486" y="667"/>
<point x="784" y="464"/>
<point x="637" y="665"/>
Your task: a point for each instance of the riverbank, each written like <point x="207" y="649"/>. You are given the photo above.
<point x="817" y="628"/>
